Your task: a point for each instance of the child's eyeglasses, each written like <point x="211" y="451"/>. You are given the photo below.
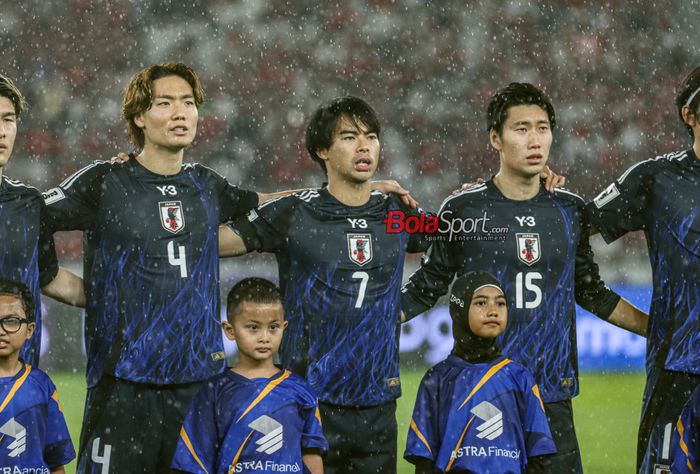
<point x="12" y="324"/>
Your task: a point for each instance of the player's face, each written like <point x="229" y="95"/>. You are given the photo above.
<point x="171" y="122"/>
<point x="525" y="140"/>
<point x="488" y="312"/>
<point x="11" y="310"/>
<point x="257" y="329"/>
<point x="354" y="153"/>
<point x="8" y="129"/>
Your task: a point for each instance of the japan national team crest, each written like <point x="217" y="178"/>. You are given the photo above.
<point x="171" y="216"/>
<point x="528" y="248"/>
<point x="360" y="248"/>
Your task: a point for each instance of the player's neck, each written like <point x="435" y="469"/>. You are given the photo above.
<point x="10" y="365"/>
<point x="161" y="160"/>
<point x="696" y="149"/>
<point x="254" y="369"/>
<point x="350" y="194"/>
<point x="517" y="188"/>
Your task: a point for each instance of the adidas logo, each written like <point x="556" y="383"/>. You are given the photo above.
<point x="492" y="427"/>
<point x="272" y="431"/>
<point x="19" y="433"/>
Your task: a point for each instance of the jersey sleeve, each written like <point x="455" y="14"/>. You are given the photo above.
<point x="73" y="205"/>
<point x="265" y="228"/>
<point x="312" y="437"/>
<point x="590" y="290"/>
<point x="423" y="440"/>
<point x="538" y="437"/>
<point x="58" y="450"/>
<point x="197" y="444"/>
<point x="48" y="261"/>
<point x="624" y="205"/>
<point x="430" y="281"/>
<point x="418" y="241"/>
<point x="685" y="444"/>
<point x="235" y="202"/>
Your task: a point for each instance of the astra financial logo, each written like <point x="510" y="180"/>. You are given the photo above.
<point x="19" y="433"/>
<point x="445" y="226"/>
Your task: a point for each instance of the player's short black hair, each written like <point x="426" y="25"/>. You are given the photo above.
<point x="21" y="292"/>
<point x="324" y="121"/>
<point x="689" y="86"/>
<point x="253" y="290"/>
<point x="516" y="93"/>
<point x="9" y="90"/>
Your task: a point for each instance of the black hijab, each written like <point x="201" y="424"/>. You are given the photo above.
<point x="468" y="345"/>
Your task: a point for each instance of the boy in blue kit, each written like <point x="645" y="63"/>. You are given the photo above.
<point x="254" y="417"/>
<point x="478" y="411"/>
<point x="33" y="432"/>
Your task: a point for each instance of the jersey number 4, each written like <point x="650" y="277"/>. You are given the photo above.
<point x="179" y="260"/>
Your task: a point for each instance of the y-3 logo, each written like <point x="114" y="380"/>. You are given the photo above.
<point x="168" y="190"/>
<point x="525" y="220"/>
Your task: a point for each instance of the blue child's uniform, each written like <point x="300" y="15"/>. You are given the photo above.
<point x="236" y="424"/>
<point x="33" y="433"/>
<point x="685" y="444"/>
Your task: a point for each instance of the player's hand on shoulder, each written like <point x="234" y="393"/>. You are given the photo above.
<point x="391" y="186"/>
<point x="120" y="158"/>
<point x="467" y="186"/>
<point x="551" y="179"/>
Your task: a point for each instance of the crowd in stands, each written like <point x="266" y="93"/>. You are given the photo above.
<point x="428" y="68"/>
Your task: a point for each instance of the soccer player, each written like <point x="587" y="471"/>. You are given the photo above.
<point x="685" y="444"/>
<point x="477" y="411"/>
<point x="536" y="243"/>
<point x="660" y="197"/>
<point x="255" y="416"/>
<point x="151" y="273"/>
<point x="340" y="275"/>
<point x="26" y="253"/>
<point x="33" y="433"/>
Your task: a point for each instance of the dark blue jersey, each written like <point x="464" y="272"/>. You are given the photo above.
<point x="485" y="418"/>
<point x="340" y="273"/>
<point x="685" y="444"/>
<point x="236" y="424"/>
<point x="27" y="253"/>
<point x="661" y="196"/>
<point x="539" y="250"/>
<point x="151" y="267"/>
<point x="33" y="433"/>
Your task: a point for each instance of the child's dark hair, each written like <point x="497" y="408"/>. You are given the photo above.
<point x="324" y="121"/>
<point x="516" y="93"/>
<point x="254" y="290"/>
<point x="9" y="90"/>
<point x="22" y="293"/>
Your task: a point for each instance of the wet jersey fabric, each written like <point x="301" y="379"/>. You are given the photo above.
<point x="33" y="433"/>
<point x="480" y="418"/>
<point x="27" y="254"/>
<point x="151" y="267"/>
<point x="685" y="444"/>
<point x="340" y="274"/>
<point x="236" y="424"/>
<point x="661" y="197"/>
<point x="539" y="250"/>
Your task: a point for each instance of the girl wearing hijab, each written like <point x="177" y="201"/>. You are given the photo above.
<point x="478" y="411"/>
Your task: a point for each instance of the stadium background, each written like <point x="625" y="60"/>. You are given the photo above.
<point x="428" y="68"/>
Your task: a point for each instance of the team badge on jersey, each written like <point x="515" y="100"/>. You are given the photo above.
<point x="528" y="248"/>
<point x="171" y="216"/>
<point x="360" y="248"/>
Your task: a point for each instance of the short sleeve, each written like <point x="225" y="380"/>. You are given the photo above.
<point x="624" y="205"/>
<point x="312" y="437"/>
<point x="685" y="444"/>
<point x="197" y="443"/>
<point x="58" y="449"/>
<point x="423" y="440"/>
<point x="538" y="437"/>
<point x="235" y="202"/>
<point x="265" y="228"/>
<point x="48" y="261"/>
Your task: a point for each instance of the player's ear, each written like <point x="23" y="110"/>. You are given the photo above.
<point x="284" y="325"/>
<point x="495" y="140"/>
<point x="322" y="153"/>
<point x="228" y="330"/>
<point x="688" y="116"/>
<point x="30" y="330"/>
<point x="138" y="120"/>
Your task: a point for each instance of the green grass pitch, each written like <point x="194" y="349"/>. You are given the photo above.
<point x="607" y="415"/>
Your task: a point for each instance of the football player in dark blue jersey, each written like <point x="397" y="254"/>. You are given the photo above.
<point x="26" y="253"/>
<point x="536" y="243"/>
<point x="340" y="275"/>
<point x="660" y="196"/>
<point x="151" y="271"/>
